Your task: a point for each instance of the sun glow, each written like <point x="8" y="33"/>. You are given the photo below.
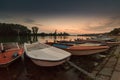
<point x="74" y="25"/>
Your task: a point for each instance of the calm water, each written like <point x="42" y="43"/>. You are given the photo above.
<point x="51" y="38"/>
<point x="22" y="39"/>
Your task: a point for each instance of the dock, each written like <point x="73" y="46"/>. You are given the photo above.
<point x="109" y="69"/>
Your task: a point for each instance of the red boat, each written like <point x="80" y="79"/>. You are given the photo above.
<point x="9" y="52"/>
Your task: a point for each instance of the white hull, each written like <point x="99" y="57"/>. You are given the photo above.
<point x="49" y="63"/>
<point x="86" y="52"/>
<point x="45" y="55"/>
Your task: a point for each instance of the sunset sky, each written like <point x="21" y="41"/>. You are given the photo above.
<point x="72" y="16"/>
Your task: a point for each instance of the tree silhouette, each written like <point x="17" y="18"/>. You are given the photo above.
<point x="35" y="30"/>
<point x="13" y="29"/>
<point x="115" y="31"/>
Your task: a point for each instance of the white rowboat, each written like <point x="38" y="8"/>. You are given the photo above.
<point x="45" y="55"/>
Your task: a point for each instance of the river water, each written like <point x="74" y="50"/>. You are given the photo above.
<point x="42" y="39"/>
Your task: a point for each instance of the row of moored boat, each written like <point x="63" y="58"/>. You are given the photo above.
<point x="49" y="54"/>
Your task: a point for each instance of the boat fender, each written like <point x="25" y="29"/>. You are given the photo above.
<point x="15" y="55"/>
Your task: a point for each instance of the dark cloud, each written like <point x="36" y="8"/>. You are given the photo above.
<point x="37" y="24"/>
<point x="4" y="17"/>
<point x="61" y="6"/>
<point x="28" y="10"/>
<point x="28" y="20"/>
<point x="113" y="22"/>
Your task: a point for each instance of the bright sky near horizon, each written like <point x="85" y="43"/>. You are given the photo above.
<point x="71" y="16"/>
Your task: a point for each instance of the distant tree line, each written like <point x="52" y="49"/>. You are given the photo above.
<point x="115" y="31"/>
<point x="13" y="29"/>
<point x="17" y="29"/>
<point x="94" y="34"/>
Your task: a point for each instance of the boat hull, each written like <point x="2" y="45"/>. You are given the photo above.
<point x="86" y="52"/>
<point x="9" y="63"/>
<point x="6" y="61"/>
<point x="45" y="55"/>
<point x="49" y="63"/>
<point x="9" y="52"/>
<point x="112" y="43"/>
<point x="83" y="49"/>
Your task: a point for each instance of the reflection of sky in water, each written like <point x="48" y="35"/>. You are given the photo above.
<point x="51" y="38"/>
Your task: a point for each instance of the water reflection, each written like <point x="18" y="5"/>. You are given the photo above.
<point x="19" y="39"/>
<point x="42" y="39"/>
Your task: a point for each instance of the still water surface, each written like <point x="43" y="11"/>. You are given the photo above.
<point x="41" y="39"/>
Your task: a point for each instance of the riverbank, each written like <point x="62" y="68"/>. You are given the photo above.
<point x="109" y="69"/>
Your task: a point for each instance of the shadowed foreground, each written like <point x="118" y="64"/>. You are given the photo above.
<point x="29" y="71"/>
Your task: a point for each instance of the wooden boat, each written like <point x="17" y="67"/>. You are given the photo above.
<point x="102" y="38"/>
<point x="89" y="44"/>
<point x="67" y="43"/>
<point x="113" y="43"/>
<point x="45" y="55"/>
<point x="82" y="50"/>
<point x="9" y="52"/>
<point x="107" y="41"/>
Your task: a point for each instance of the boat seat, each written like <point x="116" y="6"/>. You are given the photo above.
<point x="15" y="54"/>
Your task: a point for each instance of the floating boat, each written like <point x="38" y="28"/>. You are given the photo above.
<point x="83" y="49"/>
<point x="9" y="52"/>
<point x="45" y="55"/>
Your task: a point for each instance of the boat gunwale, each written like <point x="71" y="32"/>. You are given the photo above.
<point x="13" y="58"/>
<point x="13" y="49"/>
<point x="100" y="47"/>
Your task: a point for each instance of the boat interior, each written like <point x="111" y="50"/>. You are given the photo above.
<point x="36" y="46"/>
